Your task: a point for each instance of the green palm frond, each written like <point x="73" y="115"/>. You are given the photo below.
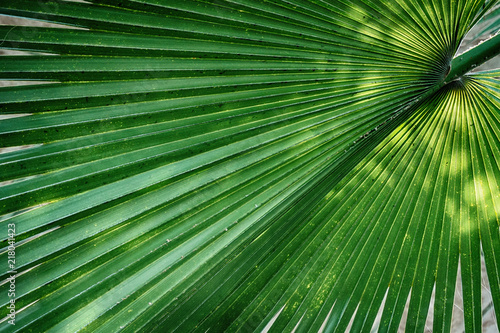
<point x="242" y="165"/>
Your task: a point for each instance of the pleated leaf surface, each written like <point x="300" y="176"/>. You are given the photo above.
<point x="246" y="165"/>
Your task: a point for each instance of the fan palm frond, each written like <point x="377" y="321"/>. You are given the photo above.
<point x="242" y="165"/>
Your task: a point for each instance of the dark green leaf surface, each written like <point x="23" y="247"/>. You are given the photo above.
<point x="248" y="165"/>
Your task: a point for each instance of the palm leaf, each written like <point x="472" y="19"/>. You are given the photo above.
<point x="248" y="165"/>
